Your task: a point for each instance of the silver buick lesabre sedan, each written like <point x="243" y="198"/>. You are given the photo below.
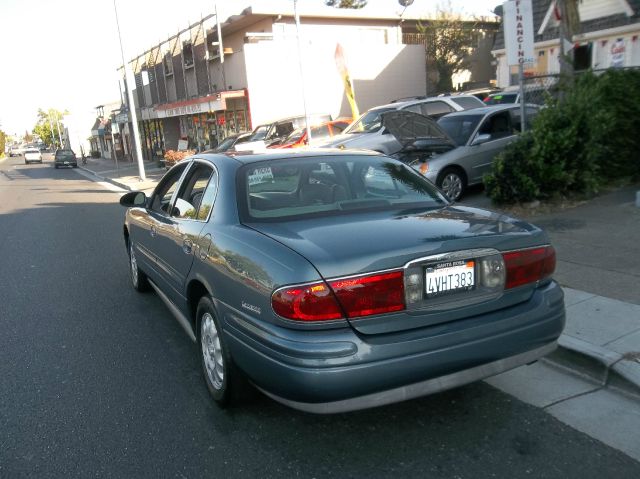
<point x="336" y="280"/>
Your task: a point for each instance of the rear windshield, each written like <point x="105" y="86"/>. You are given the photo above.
<point x="32" y="150"/>
<point x="370" y="122"/>
<point x="65" y="155"/>
<point x="500" y="99"/>
<point x="302" y="188"/>
<point x="467" y="102"/>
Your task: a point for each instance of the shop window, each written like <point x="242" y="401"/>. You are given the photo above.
<point x="187" y="54"/>
<point x="167" y="63"/>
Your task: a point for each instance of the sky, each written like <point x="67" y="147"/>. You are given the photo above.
<point x="64" y="54"/>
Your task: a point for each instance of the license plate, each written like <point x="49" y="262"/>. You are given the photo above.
<point x="450" y="277"/>
<point x="66" y="162"/>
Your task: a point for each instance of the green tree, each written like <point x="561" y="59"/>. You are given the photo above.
<point x="48" y="120"/>
<point x="449" y="42"/>
<point x="346" y="3"/>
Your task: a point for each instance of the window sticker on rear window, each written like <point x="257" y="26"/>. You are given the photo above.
<point x="260" y="175"/>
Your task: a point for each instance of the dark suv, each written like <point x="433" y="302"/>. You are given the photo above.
<point x="65" y="158"/>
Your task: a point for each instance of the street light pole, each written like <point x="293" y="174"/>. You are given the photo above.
<point x="132" y="106"/>
<point x="304" y="96"/>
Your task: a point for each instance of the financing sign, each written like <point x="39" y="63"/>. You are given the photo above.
<point x="518" y="32"/>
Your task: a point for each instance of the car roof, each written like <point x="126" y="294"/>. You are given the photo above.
<point x="484" y="110"/>
<point x="247" y="157"/>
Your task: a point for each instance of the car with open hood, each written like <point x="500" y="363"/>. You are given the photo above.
<point x="368" y="132"/>
<point x="461" y="146"/>
<point x="339" y="280"/>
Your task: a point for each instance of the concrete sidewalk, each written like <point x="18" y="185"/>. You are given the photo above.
<point x="124" y="174"/>
<point x="598" y="247"/>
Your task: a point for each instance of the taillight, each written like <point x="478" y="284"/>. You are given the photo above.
<point x="529" y="265"/>
<point x="373" y="294"/>
<point x="310" y="302"/>
<point x="359" y="296"/>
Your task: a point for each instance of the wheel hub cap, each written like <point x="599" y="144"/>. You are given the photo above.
<point x="134" y="267"/>
<point x="212" y="351"/>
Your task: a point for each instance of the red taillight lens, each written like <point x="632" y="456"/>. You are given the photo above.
<point x="311" y="302"/>
<point x="373" y="294"/>
<point x="529" y="265"/>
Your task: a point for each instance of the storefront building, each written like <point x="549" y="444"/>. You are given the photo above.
<point x="192" y="91"/>
<point x="609" y="38"/>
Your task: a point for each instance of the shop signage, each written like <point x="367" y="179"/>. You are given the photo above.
<point x="518" y="32"/>
<point x="617" y="53"/>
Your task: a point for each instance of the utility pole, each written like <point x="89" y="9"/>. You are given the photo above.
<point x="562" y="13"/>
<point x="132" y="105"/>
<point x="59" y="134"/>
<point x="53" y="136"/>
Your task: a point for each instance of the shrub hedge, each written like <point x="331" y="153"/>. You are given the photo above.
<point x="576" y="144"/>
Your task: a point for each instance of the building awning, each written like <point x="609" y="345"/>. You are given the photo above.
<point x="210" y="103"/>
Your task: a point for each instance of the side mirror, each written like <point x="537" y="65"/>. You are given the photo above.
<point x="480" y="139"/>
<point x="133" y="199"/>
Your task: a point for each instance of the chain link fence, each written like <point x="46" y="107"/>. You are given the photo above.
<point x="538" y="88"/>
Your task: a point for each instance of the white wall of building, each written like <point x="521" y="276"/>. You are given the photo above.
<point x="379" y="73"/>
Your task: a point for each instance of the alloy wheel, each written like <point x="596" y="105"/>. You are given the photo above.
<point x="452" y="186"/>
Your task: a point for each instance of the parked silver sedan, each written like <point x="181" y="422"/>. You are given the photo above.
<point x="474" y="138"/>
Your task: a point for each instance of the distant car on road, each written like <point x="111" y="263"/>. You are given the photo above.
<point x="474" y="139"/>
<point x="32" y="155"/>
<point x="368" y="133"/>
<point x="16" y="150"/>
<point x="339" y="280"/>
<point x="65" y="158"/>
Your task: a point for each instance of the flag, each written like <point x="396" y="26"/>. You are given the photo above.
<point x="346" y="80"/>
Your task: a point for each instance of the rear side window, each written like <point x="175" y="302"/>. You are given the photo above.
<point x="436" y="109"/>
<point x="316" y="186"/>
<point x="65" y="155"/>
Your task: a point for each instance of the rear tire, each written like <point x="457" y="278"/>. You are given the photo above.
<point x="224" y="381"/>
<point x="453" y="183"/>
<point x="139" y="280"/>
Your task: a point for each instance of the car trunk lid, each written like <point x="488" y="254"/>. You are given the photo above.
<point x="340" y="246"/>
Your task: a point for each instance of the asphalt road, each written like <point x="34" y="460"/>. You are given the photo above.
<point x="98" y="380"/>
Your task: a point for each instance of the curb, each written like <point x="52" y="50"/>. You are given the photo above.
<point x="103" y="178"/>
<point x="606" y="367"/>
<point x="113" y="181"/>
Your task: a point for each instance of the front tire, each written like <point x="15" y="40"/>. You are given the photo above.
<point x="452" y="182"/>
<point x="139" y="280"/>
<point x="220" y="374"/>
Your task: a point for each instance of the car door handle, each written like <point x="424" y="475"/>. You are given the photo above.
<point x="153" y="231"/>
<point x="187" y="246"/>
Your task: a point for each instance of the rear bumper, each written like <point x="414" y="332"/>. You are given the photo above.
<point x="343" y="371"/>
<point x="423" y="388"/>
